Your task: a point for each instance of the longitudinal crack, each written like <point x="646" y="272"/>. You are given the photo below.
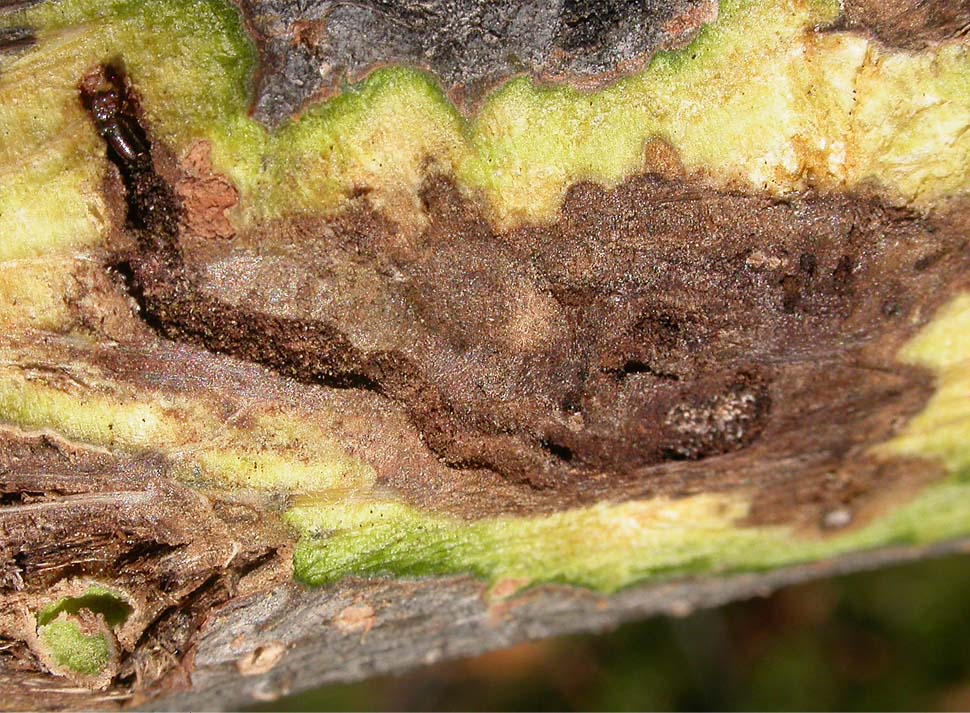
<point x="170" y="300"/>
<point x="661" y="332"/>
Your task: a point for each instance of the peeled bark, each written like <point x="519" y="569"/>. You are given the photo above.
<point x="345" y="338"/>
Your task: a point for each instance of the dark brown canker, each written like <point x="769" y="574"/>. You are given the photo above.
<point x="912" y="24"/>
<point x="662" y="337"/>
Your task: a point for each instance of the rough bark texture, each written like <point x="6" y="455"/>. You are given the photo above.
<point x="731" y="354"/>
<point x="308" y="49"/>
<point x="264" y="645"/>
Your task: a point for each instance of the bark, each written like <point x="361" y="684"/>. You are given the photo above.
<point x="761" y="360"/>
<point x="269" y="644"/>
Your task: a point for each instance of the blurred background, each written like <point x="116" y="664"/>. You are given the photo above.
<point x="896" y="639"/>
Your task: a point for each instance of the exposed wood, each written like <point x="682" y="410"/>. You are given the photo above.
<point x="749" y="350"/>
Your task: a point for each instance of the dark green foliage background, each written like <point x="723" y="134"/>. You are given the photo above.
<point x="897" y="639"/>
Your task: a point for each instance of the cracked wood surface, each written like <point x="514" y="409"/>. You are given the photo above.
<point x="267" y="644"/>
<point x="216" y="619"/>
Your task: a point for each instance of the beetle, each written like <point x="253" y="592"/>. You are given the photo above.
<point x="105" y="96"/>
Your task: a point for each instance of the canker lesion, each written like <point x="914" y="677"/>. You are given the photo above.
<point x="683" y="338"/>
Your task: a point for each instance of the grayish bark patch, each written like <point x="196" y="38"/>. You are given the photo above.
<point x="311" y="48"/>
<point x="15" y="40"/>
<point x="421" y="622"/>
